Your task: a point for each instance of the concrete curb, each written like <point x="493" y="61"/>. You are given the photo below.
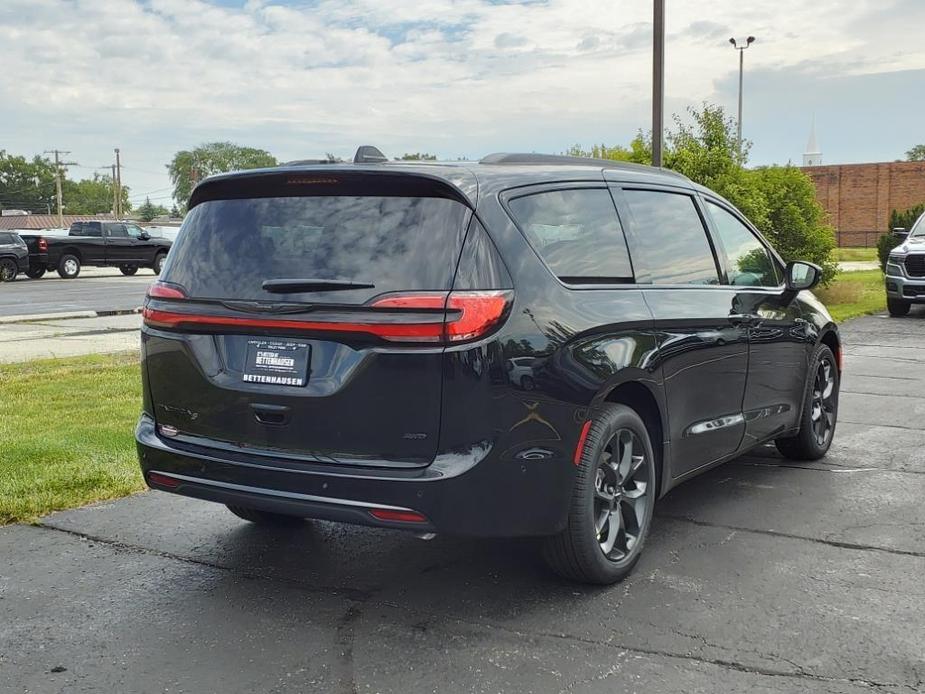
<point x="37" y="317"/>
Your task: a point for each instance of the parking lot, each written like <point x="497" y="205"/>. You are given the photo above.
<point x="97" y="289"/>
<point x="762" y="575"/>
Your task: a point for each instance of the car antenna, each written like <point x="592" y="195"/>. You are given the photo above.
<point x="367" y="154"/>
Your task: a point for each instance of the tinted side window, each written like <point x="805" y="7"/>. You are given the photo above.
<point x="5" y="239"/>
<point x="77" y="229"/>
<point x="748" y="263"/>
<point x="116" y="231"/>
<point x="671" y="238"/>
<point x="577" y="233"/>
<point x="91" y="229"/>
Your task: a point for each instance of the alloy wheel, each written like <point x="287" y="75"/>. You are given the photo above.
<point x="823" y="402"/>
<point x="622" y="493"/>
<point x="7" y="271"/>
<point x="70" y="266"/>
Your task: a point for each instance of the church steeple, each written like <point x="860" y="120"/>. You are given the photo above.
<point x="812" y="156"/>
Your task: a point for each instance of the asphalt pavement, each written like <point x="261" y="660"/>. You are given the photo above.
<point x="96" y="289"/>
<point x="762" y="575"/>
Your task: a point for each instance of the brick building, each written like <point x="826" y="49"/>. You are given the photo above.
<point x="860" y="197"/>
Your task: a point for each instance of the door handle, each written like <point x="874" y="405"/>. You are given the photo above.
<point x="744" y="319"/>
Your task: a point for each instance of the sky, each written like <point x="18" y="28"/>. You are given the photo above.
<point x="458" y="78"/>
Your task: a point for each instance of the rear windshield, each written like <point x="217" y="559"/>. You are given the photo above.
<point x="228" y="248"/>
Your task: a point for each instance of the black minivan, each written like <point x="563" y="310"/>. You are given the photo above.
<point x="527" y="346"/>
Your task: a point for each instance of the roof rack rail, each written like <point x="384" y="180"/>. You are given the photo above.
<point x="367" y="154"/>
<point x="562" y="159"/>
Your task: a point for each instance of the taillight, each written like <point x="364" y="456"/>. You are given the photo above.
<point x="431" y="317"/>
<point x="469" y="314"/>
<point x="43" y="244"/>
<point x="161" y="290"/>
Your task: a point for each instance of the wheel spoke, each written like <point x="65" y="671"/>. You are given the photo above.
<point x="626" y="456"/>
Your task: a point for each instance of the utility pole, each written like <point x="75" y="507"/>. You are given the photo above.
<point x="115" y="192"/>
<point x="658" y="80"/>
<point x="58" y="172"/>
<point x="118" y="182"/>
<point x="741" y="49"/>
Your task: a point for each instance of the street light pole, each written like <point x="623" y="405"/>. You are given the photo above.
<point x="741" y="49"/>
<point x="658" y="80"/>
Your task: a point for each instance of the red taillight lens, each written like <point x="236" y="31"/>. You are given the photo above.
<point x="160" y="290"/>
<point x="480" y="311"/>
<point x="431" y="317"/>
<point x="43" y="244"/>
<point x="388" y="514"/>
<point x="469" y="314"/>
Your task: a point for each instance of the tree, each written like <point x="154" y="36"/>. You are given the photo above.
<point x="149" y="211"/>
<point x="27" y="185"/>
<point x="417" y="156"/>
<point x="639" y="151"/>
<point x="917" y="153"/>
<point x="188" y="167"/>
<point x="779" y="200"/>
<point x="91" y="195"/>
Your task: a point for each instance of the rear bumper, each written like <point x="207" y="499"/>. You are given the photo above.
<point x="473" y="494"/>
<point x="910" y="289"/>
<point x="37" y="260"/>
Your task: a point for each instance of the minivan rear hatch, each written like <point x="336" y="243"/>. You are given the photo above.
<point x="302" y="316"/>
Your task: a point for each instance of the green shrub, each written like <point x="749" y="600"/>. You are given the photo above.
<point x="885" y="244"/>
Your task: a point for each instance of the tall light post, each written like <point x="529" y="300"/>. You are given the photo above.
<point x="741" y="49"/>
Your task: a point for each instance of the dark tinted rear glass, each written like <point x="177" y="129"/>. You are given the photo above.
<point x="577" y="233"/>
<point x="227" y="248"/>
<point x="5" y="238"/>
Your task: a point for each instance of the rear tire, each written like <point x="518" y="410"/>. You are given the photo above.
<point x="820" y="411"/>
<point x="612" y="502"/>
<point x="8" y="270"/>
<point x="128" y="269"/>
<point x="897" y="307"/>
<point x="158" y="263"/>
<point x="265" y="517"/>
<point x="35" y="272"/>
<point x="68" y="267"/>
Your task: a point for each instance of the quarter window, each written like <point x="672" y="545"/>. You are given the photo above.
<point x="671" y="238"/>
<point x="577" y="233"/>
<point x="748" y="263"/>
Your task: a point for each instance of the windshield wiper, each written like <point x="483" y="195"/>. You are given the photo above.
<point x="312" y="285"/>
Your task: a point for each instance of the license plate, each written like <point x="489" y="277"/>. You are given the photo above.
<point x="276" y="362"/>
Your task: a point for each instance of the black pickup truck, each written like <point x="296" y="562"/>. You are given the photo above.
<point x="116" y="244"/>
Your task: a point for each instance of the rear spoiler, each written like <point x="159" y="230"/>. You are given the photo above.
<point x="327" y="180"/>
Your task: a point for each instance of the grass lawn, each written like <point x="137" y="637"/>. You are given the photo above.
<point x="854" y="294"/>
<point x="66" y="433"/>
<point x="849" y="254"/>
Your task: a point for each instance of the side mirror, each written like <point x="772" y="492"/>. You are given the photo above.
<point x="900" y="233"/>
<point x="802" y="275"/>
<point x="144" y="236"/>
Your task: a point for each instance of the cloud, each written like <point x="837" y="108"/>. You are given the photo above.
<point x="457" y="77"/>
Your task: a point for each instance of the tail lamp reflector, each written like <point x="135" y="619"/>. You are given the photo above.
<point x="582" y="438"/>
<point x="390" y="514"/>
<point x="163" y="480"/>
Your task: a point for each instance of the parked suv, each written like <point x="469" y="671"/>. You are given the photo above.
<point x="14" y="256"/>
<point x="905" y="270"/>
<point x="351" y="343"/>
